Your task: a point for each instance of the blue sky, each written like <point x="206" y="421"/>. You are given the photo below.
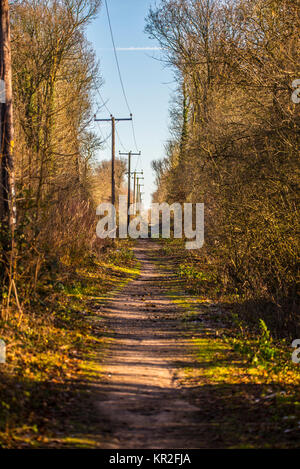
<point x="148" y="84"/>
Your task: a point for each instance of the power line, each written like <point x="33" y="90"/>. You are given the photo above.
<point x="105" y="139"/>
<point x="102" y="134"/>
<point x="113" y="121"/>
<point x="116" y="57"/>
<point x="120" y="141"/>
<point x="129" y="154"/>
<point x="124" y="94"/>
<point x="108" y="110"/>
<point x="102" y="99"/>
<point x="136" y="163"/>
<point x="134" y="136"/>
<point x="120" y="75"/>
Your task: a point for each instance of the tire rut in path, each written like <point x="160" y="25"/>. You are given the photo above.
<point x="141" y="404"/>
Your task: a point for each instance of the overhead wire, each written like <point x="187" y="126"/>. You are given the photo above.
<point x="120" y="75"/>
<point x="104" y="103"/>
<point x="105" y="138"/>
<point x="120" y="141"/>
<point x="134" y="136"/>
<point x="116" y="57"/>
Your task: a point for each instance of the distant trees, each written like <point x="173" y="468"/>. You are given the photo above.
<point x="235" y="139"/>
<point x="102" y="180"/>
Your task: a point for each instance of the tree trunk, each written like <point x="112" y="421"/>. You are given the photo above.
<point x="7" y="130"/>
<point x="7" y="187"/>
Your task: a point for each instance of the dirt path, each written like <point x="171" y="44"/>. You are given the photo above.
<point x="170" y="383"/>
<point x="140" y="401"/>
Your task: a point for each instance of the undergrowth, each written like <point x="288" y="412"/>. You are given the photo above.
<point x="253" y="338"/>
<point x="50" y="348"/>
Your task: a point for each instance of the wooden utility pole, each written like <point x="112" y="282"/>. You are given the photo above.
<point x="134" y="188"/>
<point x="130" y="154"/>
<point x="139" y="185"/>
<point x="113" y="121"/>
<point x="113" y="157"/>
<point x="7" y="177"/>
